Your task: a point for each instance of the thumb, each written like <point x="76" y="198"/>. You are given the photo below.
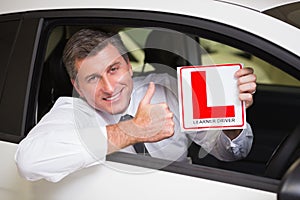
<point x="149" y="94"/>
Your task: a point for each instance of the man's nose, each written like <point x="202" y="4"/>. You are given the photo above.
<point x="106" y="85"/>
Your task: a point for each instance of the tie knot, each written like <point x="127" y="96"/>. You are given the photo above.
<point x="125" y="117"/>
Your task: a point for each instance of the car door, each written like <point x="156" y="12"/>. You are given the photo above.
<point x="16" y="62"/>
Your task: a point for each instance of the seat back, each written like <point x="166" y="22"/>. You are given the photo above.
<point x="55" y="80"/>
<point x="166" y="50"/>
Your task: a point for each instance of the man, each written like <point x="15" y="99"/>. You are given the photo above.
<point x="80" y="132"/>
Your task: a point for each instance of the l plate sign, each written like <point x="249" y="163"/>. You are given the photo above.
<point x="208" y="98"/>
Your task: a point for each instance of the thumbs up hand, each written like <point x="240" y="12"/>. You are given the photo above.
<point x="153" y="122"/>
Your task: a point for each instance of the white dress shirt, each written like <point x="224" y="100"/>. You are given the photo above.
<point x="72" y="135"/>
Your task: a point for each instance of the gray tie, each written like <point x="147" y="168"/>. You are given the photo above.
<point x="139" y="147"/>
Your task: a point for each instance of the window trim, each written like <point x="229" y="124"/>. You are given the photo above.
<point x="199" y="171"/>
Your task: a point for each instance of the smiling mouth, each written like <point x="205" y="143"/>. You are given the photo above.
<point x="114" y="97"/>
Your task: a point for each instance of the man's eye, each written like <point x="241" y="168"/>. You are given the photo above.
<point x="113" y="69"/>
<point x="92" y="79"/>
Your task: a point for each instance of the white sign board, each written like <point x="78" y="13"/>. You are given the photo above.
<point x="208" y="98"/>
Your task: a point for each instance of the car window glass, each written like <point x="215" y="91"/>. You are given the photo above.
<point x="218" y="53"/>
<point x="7" y="37"/>
<point x="154" y="50"/>
<point x="214" y="53"/>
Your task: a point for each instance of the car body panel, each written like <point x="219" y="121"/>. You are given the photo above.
<point x="12" y="185"/>
<point x="151" y="185"/>
<point x="115" y="181"/>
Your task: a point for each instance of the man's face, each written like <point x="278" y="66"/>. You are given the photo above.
<point x="105" y="80"/>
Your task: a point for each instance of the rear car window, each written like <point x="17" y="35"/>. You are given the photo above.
<point x="7" y="39"/>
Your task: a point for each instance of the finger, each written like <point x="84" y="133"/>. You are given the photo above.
<point x="247" y="98"/>
<point x="169" y="115"/>
<point x="168" y="128"/>
<point x="247" y="79"/>
<point x="247" y="87"/>
<point x="149" y="94"/>
<point x="243" y="72"/>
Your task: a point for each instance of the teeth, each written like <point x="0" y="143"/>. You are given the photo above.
<point x="113" y="97"/>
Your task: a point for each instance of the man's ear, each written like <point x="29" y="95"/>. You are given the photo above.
<point x="76" y="86"/>
<point x="129" y="66"/>
<point x="130" y="70"/>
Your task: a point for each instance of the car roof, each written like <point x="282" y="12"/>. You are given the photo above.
<point x="227" y="12"/>
<point x="12" y="6"/>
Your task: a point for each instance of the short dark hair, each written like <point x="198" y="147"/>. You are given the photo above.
<point x="88" y="42"/>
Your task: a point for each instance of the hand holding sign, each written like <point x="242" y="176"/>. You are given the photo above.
<point x="246" y="85"/>
<point x="211" y="97"/>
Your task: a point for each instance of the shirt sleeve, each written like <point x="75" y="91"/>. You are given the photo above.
<point x="63" y="142"/>
<point x="216" y="143"/>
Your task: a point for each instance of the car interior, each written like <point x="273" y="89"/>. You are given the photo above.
<point x="276" y="130"/>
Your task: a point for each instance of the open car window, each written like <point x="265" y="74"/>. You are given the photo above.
<point x="162" y="50"/>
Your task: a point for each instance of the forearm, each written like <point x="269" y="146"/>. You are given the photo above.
<point x="133" y="131"/>
<point x="52" y="158"/>
<point x="218" y="144"/>
<point x="54" y="154"/>
<point x="68" y="138"/>
<point x="123" y="134"/>
<point x="118" y="137"/>
<point x="235" y="144"/>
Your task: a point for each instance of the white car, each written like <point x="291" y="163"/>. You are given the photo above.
<point x="261" y="34"/>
